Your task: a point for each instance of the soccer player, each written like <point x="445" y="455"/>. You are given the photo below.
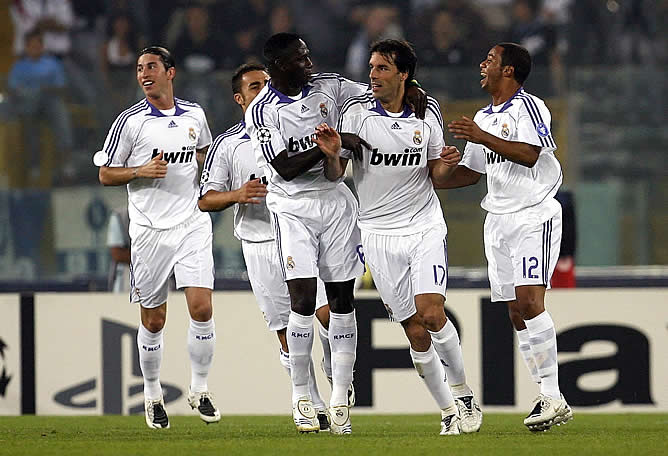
<point x="314" y="213"/>
<point x="231" y="177"/>
<point x="510" y="141"/>
<point x="152" y="147"/>
<point x="402" y="224"/>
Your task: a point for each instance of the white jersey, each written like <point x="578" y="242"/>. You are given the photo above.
<point x="140" y="133"/>
<point x="395" y="191"/>
<point x="511" y="186"/>
<point x="276" y="122"/>
<point x="229" y="164"/>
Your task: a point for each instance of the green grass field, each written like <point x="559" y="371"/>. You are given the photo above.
<point x="642" y="434"/>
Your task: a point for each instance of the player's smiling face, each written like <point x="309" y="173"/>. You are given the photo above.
<point x="386" y="79"/>
<point x="297" y="63"/>
<point x="152" y="76"/>
<point x="491" y="69"/>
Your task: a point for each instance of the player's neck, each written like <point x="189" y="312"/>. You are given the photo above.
<point x="163" y="101"/>
<point x="286" y="88"/>
<point x="394" y="106"/>
<point x="504" y="93"/>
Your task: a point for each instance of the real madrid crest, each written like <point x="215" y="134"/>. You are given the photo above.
<point x="417" y="137"/>
<point x="505" y="131"/>
<point x="191" y="134"/>
<point x="290" y="263"/>
<point x="323" y="110"/>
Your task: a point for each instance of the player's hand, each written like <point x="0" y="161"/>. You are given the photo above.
<point x="328" y="140"/>
<point x="466" y="129"/>
<point x="416" y="98"/>
<point x="154" y="169"/>
<point x="250" y="191"/>
<point x="451" y="156"/>
<point x="354" y="143"/>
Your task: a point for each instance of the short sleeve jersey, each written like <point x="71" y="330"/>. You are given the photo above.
<point x="392" y="180"/>
<point x="140" y="133"/>
<point x="510" y="186"/>
<point x="276" y="122"/>
<point x="229" y="164"/>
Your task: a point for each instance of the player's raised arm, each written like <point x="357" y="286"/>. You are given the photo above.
<point x="515" y="151"/>
<point x="156" y="168"/>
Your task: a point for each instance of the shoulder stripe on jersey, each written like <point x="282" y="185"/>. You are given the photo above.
<point x="436" y="109"/>
<point x="349" y="103"/>
<point x="187" y="103"/>
<point x="118" y="127"/>
<point x="258" y="121"/>
<point x="536" y="117"/>
<point x="232" y="131"/>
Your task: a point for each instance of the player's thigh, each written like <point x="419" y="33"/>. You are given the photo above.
<point x="296" y="242"/>
<point x="321" y="295"/>
<point x="194" y="267"/>
<point x="268" y="284"/>
<point x="388" y="260"/>
<point x="536" y="251"/>
<point x="339" y="257"/>
<point x="429" y="261"/>
<point x="152" y="259"/>
<point x="499" y="262"/>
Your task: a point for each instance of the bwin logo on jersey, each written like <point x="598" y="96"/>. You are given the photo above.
<point x="263" y="179"/>
<point x="493" y="157"/>
<point x="408" y="158"/>
<point x="300" y="145"/>
<point x="184" y="156"/>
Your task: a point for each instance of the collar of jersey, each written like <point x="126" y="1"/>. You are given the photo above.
<point x="282" y="98"/>
<point x="156" y="112"/>
<point x="505" y="106"/>
<point x="380" y="110"/>
<point x="243" y="126"/>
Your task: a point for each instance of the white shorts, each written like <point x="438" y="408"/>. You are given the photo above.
<point x="522" y="248"/>
<point x="405" y="266"/>
<point x="317" y="235"/>
<point x="184" y="251"/>
<point x="268" y="284"/>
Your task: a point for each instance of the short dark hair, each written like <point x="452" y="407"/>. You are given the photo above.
<point x="276" y="46"/>
<point x="241" y="70"/>
<point x="164" y="54"/>
<point x="400" y="52"/>
<point x="517" y="57"/>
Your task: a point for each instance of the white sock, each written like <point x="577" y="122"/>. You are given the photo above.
<point x="318" y="403"/>
<point x="543" y="341"/>
<point x="284" y="357"/>
<point x="429" y="367"/>
<point x="201" y="344"/>
<point x="343" y="340"/>
<point x="150" y="347"/>
<point x="300" y="342"/>
<point x="527" y="356"/>
<point x="446" y="343"/>
<point x="326" y="349"/>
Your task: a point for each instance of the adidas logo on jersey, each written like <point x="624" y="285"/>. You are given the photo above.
<point x="172" y="124"/>
<point x="304" y="109"/>
<point x="395" y="126"/>
<point x="185" y="155"/>
<point x="410" y="157"/>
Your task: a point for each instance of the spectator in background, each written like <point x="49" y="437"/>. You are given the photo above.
<point x="118" y="53"/>
<point x="449" y="43"/>
<point x="199" y="50"/>
<point x="638" y="32"/>
<point x="246" y="21"/>
<point x="540" y="39"/>
<point x="280" y="20"/>
<point x="118" y="241"/>
<point x="36" y="85"/>
<point x="380" y="21"/>
<point x="54" y="18"/>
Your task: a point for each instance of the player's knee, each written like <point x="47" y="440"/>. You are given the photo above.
<point x="154" y="323"/>
<point x="433" y="319"/>
<point x="201" y="311"/>
<point x="528" y="306"/>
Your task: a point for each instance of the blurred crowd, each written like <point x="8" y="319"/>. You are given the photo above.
<point x="82" y="52"/>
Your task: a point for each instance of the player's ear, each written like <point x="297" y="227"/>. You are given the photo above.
<point x="508" y="71"/>
<point x="171" y="73"/>
<point x="238" y="98"/>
